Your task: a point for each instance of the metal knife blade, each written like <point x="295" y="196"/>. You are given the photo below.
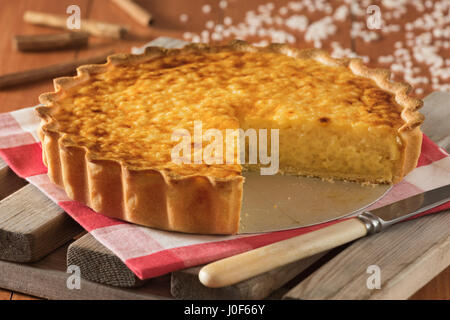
<point x="380" y="218"/>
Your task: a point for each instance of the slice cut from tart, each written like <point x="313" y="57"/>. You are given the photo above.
<point x="108" y="133"/>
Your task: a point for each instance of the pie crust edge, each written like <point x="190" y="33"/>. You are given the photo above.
<point x="196" y="203"/>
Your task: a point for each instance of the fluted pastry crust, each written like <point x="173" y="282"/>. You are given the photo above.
<point x="191" y="203"/>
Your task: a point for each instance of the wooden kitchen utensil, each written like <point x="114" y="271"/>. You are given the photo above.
<point x="95" y="28"/>
<point x="138" y="13"/>
<point x="53" y="41"/>
<point x="48" y="72"/>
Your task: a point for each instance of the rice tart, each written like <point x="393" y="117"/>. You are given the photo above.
<point x="106" y="133"/>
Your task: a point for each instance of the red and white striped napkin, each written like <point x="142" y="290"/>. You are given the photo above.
<point x="149" y="252"/>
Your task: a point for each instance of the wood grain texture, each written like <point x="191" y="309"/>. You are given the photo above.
<point x="437" y="116"/>
<point x="5" y="295"/>
<point x="31" y="226"/>
<point x="406" y="262"/>
<point x="47" y="278"/>
<point x="134" y="10"/>
<point x="45" y="42"/>
<point x="186" y="285"/>
<point x="237" y="10"/>
<point x="95" y="28"/>
<point x="99" y="264"/>
<point x="49" y="72"/>
<point x="19" y="296"/>
<point x="9" y="295"/>
<point x="9" y="181"/>
<point x="437" y="288"/>
<point x="12" y="23"/>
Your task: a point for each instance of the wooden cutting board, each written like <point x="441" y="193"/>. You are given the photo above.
<point x="38" y="241"/>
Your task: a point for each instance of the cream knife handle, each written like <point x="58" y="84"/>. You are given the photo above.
<point x="243" y="266"/>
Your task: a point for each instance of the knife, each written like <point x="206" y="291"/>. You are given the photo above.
<point x="243" y="266"/>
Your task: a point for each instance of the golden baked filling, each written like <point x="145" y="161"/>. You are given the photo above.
<point x="130" y="112"/>
<point x="114" y="123"/>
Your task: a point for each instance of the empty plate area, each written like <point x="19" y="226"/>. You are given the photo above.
<point x="280" y="202"/>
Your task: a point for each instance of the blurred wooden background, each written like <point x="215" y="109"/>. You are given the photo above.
<point x="407" y="43"/>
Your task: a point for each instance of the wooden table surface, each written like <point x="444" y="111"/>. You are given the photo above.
<point x="188" y="19"/>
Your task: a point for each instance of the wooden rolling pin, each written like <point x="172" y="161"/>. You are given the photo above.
<point x="56" y="70"/>
<point x="43" y="42"/>
<point x="95" y="28"/>
<point x="135" y="11"/>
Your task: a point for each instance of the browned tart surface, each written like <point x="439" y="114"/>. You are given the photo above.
<point x="336" y="118"/>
